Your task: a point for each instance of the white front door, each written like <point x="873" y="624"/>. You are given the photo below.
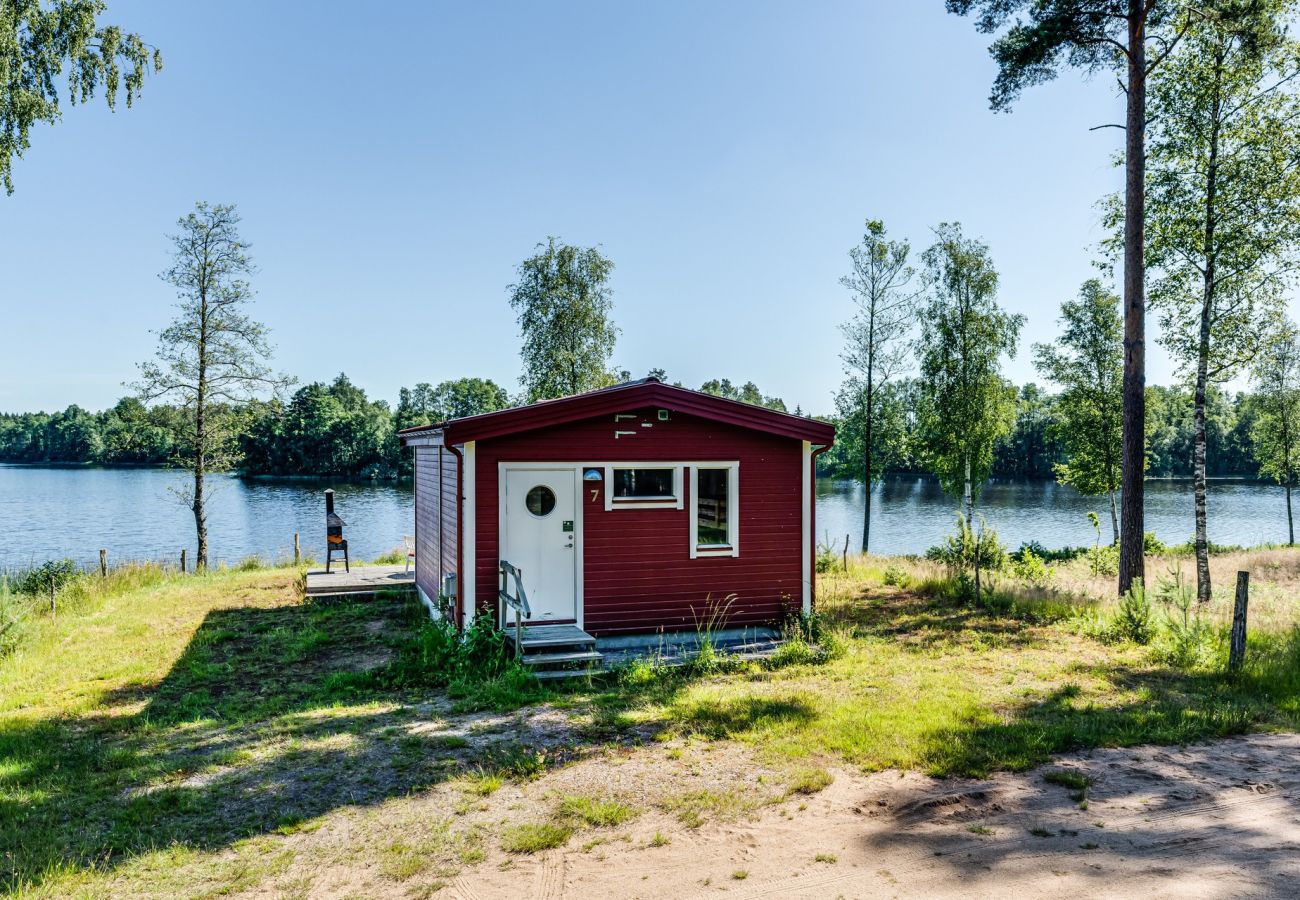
<point x="538" y="537"/>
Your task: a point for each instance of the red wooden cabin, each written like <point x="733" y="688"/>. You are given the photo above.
<point x="626" y="509"/>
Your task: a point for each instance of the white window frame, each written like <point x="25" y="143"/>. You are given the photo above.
<point x="676" y="501"/>
<point x="732" y="547"/>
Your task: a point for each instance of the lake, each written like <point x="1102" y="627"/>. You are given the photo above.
<point x="48" y="513"/>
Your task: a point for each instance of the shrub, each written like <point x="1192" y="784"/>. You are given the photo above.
<point x="1133" y="618"/>
<point x="1186" y="640"/>
<point x="1104" y="560"/>
<point x="1030" y="567"/>
<point x="37" y="581"/>
<point x="970" y="550"/>
<point x="896" y="577"/>
<point x="827" y="560"/>
<point x="1152" y="544"/>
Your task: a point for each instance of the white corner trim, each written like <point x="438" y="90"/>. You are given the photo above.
<point x="805" y="516"/>
<point x="469" y="534"/>
<point x="733" y="511"/>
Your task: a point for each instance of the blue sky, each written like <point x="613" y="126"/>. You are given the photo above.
<point x="394" y="162"/>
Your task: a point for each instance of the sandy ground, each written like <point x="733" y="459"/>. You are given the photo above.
<point x="1212" y="820"/>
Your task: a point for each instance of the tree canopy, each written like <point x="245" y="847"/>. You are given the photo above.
<point x="966" y="405"/>
<point x="40" y="44"/>
<point x="1087" y="361"/>
<point x="563" y="301"/>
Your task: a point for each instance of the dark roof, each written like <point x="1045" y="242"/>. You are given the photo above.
<point x="620" y="398"/>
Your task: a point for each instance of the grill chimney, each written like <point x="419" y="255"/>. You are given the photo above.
<point x="334" y="540"/>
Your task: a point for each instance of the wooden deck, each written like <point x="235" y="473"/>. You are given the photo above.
<point x="362" y="581"/>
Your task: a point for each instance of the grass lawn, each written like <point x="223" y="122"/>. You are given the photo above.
<point x="214" y="734"/>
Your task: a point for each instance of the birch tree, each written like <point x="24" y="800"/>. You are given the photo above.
<point x="563" y="302"/>
<point x="875" y="341"/>
<point x="1276" y="431"/>
<point x="212" y="355"/>
<point x="1087" y="363"/>
<point x="965" y="404"/>
<point x="37" y="41"/>
<point x="1223" y="208"/>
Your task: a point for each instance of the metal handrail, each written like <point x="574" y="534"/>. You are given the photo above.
<point x="519" y="602"/>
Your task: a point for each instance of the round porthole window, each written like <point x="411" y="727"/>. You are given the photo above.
<point x="540" y="500"/>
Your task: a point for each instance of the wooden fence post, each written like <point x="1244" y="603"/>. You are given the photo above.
<point x="103" y="562"/>
<point x="1237" y="647"/>
<point x="297" y="550"/>
<point x="183" y="552"/>
<point x="846" y="553"/>
<point x="54" y="609"/>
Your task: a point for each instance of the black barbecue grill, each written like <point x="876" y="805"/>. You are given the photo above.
<point x="335" y="542"/>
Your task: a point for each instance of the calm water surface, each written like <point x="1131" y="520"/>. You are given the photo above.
<point x="55" y="512"/>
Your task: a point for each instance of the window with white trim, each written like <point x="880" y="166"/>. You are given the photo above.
<point x="715" y="509"/>
<point x="643" y="485"/>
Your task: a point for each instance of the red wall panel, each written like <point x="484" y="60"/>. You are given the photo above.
<point x="638" y="574"/>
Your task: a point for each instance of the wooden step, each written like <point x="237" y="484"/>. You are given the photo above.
<point x="546" y="659"/>
<point x="566" y="673"/>
<point x="555" y="636"/>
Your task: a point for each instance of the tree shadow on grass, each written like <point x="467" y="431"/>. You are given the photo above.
<point x="270" y="716"/>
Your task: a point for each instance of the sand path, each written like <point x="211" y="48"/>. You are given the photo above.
<point x="1210" y="820"/>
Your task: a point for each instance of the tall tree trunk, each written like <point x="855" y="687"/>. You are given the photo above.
<point x="201" y="429"/>
<point x="867" y="461"/>
<point x="1114" y="518"/>
<point x="968" y="496"/>
<point x="1201" y="539"/>
<point x="1290" y="523"/>
<point x="1131" y="562"/>
<point x="200" y="471"/>
<point x="1198" y="479"/>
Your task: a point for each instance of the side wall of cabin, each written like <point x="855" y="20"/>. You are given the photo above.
<point x="637" y="572"/>
<point x="435" y="517"/>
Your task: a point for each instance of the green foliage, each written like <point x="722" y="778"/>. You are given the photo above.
<point x="895" y="577"/>
<point x="1031" y="567"/>
<point x="1087" y="361"/>
<point x="37" y="43"/>
<point x="1034" y="37"/>
<point x="966" y="405"/>
<point x="968" y="550"/>
<point x="324" y="429"/>
<point x="563" y="302"/>
<point x="1275" y="432"/>
<point x="1103" y="559"/>
<point x="876" y="350"/>
<point x="212" y="355"/>
<point x="1186" y="641"/>
<point x="455" y="399"/>
<point x="1152" y="544"/>
<point x="476" y="667"/>
<point x="37" y="581"/>
<point x="1133" y="617"/>
<point x="746" y="393"/>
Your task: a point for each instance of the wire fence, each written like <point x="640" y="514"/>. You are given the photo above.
<point x="176" y="558"/>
